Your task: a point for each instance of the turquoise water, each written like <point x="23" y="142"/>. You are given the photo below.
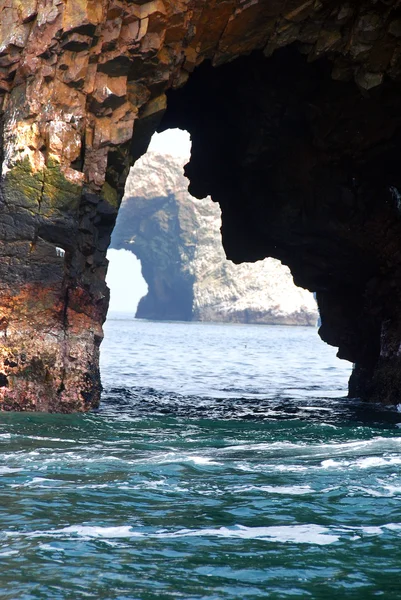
<point x="224" y="463"/>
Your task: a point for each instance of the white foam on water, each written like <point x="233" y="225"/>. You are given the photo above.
<point x="112" y="543"/>
<point x="269" y="467"/>
<point x="35" y="482"/>
<point x="174" y="457"/>
<point x="372" y="530"/>
<point x="376" y="444"/>
<point x="292" y="490"/>
<point x="336" y="448"/>
<point x="264" y="446"/>
<point x="300" y="534"/>
<point x="153" y="485"/>
<point x="86" y="531"/>
<point x="393" y="490"/>
<point x="289" y="468"/>
<point x="4" y="470"/>
<point x="50" y="548"/>
<point x="72" y="457"/>
<point x="357" y="454"/>
<point x="48" y="439"/>
<point x="5" y="553"/>
<point x="366" y="462"/>
<point x="203" y="460"/>
<point x="377" y="461"/>
<point x="369" y="492"/>
<point x="327" y="464"/>
<point x="123" y="531"/>
<point x="393" y="526"/>
<point x="92" y="486"/>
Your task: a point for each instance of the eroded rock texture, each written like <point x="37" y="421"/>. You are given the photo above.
<point x="178" y="241"/>
<point x="300" y="145"/>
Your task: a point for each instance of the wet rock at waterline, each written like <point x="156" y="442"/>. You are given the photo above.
<point x="178" y="241"/>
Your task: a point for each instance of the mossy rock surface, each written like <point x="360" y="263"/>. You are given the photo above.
<point x="41" y="191"/>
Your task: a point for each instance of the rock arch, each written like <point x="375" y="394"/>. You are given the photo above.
<point x="300" y="147"/>
<point x="178" y="241"/>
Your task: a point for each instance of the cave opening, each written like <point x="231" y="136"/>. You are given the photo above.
<point x="304" y="168"/>
<point x="177" y="240"/>
<point x="198" y="353"/>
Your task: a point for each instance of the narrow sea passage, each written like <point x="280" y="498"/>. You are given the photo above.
<point x="224" y="463"/>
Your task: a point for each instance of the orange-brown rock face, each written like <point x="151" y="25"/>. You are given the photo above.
<point x="45" y="366"/>
<point x="82" y="88"/>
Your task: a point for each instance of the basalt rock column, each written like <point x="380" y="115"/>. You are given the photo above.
<point x="53" y="298"/>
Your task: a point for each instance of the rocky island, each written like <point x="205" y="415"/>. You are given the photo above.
<point x="178" y="240"/>
<point x="294" y="109"/>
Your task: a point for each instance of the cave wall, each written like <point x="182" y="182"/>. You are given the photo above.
<point x="82" y="89"/>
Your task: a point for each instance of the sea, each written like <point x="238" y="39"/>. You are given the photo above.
<point x="225" y="462"/>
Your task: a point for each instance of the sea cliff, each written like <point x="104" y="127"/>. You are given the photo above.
<point x="294" y="110"/>
<point x="178" y="240"/>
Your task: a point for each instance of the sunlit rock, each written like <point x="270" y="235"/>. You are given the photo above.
<point x="178" y="241"/>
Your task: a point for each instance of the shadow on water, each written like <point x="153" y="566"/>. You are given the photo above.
<point x="148" y="402"/>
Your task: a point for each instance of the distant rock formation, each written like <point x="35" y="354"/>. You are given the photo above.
<point x="178" y="240"/>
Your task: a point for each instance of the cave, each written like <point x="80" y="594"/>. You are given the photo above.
<point x="306" y="170"/>
<point x="294" y="114"/>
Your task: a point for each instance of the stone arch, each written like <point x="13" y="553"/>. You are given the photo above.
<point x="83" y="87"/>
<point x="178" y="241"/>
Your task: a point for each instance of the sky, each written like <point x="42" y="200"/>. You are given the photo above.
<point x="124" y="276"/>
<point x="173" y="141"/>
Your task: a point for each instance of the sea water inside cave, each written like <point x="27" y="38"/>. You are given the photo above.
<point x="224" y="463"/>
